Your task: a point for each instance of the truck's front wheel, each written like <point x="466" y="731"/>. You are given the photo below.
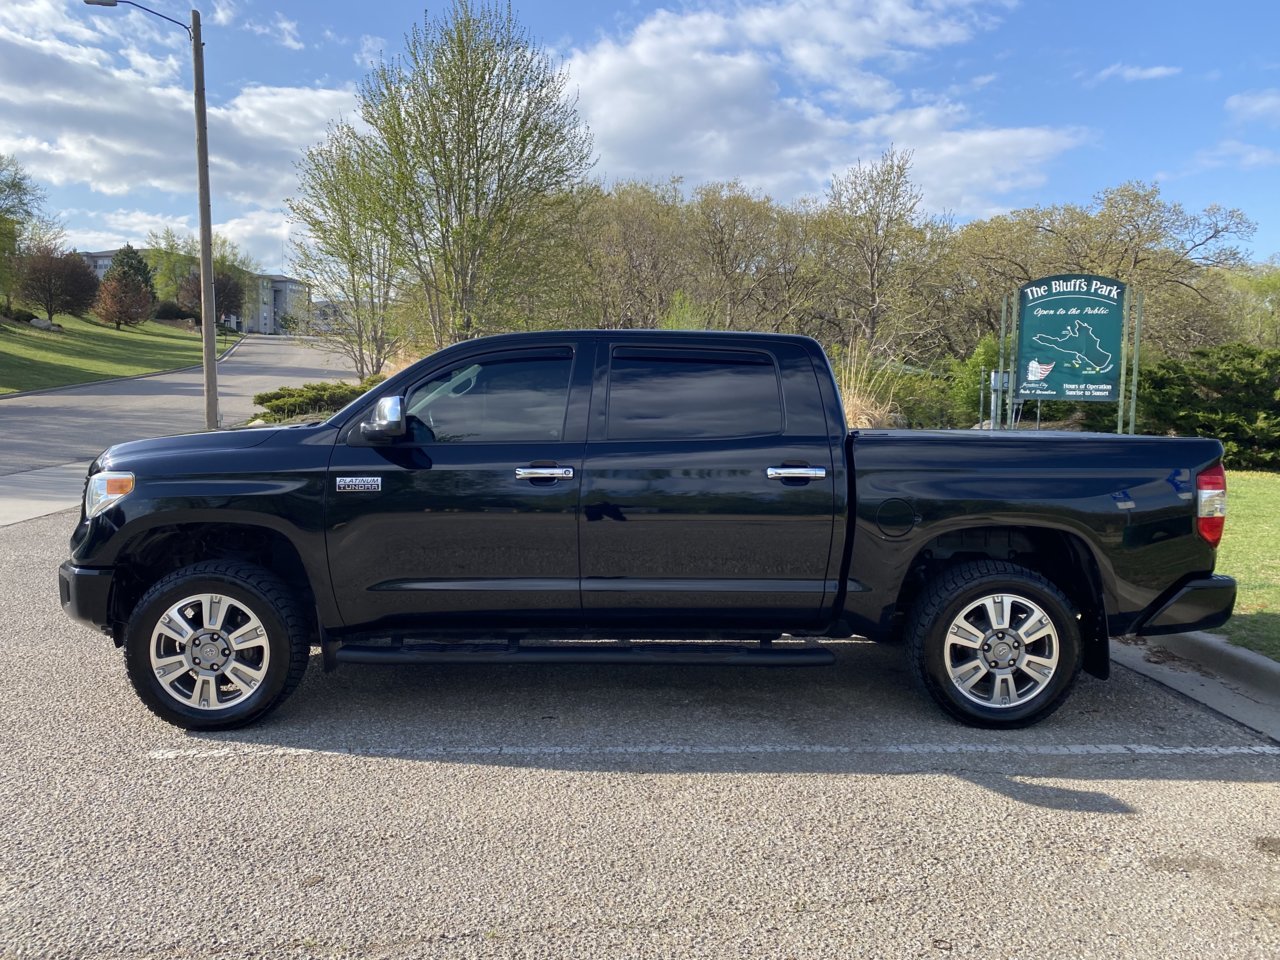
<point x="216" y="645"/>
<point x="994" y="644"/>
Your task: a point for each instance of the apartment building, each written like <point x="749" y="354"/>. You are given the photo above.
<point x="270" y="300"/>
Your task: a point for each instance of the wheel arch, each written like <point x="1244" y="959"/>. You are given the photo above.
<point x="1062" y="557"/>
<point x="160" y="550"/>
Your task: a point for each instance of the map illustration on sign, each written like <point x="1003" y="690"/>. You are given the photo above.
<point x="1070" y="331"/>
<point x="1081" y="344"/>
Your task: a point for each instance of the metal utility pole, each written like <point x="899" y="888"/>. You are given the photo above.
<point x="208" y="308"/>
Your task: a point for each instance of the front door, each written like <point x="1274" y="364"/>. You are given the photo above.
<point x="471" y="518"/>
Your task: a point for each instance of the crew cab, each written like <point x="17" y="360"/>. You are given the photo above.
<point x="670" y="497"/>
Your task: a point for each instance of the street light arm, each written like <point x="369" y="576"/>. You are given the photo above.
<point x="154" y="13"/>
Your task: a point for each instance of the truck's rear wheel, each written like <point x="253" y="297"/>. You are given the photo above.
<point x="994" y="644"/>
<point x="216" y="645"/>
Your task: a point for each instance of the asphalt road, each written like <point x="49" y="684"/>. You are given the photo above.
<point x="76" y="424"/>
<point x="466" y="811"/>
<point x="50" y="438"/>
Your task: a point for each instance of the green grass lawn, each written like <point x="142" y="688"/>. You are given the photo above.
<point x="1250" y="552"/>
<point x="32" y="359"/>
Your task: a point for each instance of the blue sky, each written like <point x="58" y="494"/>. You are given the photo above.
<point x="1005" y="104"/>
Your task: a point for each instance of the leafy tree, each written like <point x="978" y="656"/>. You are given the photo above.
<point x="174" y="257"/>
<point x="732" y="233"/>
<point x="1253" y="304"/>
<point x="57" y="282"/>
<point x="882" y="255"/>
<point x="21" y="203"/>
<point x="123" y="300"/>
<point x="228" y="295"/>
<point x="348" y="255"/>
<point x="129" y="263"/>
<point x="1133" y="234"/>
<point x="635" y="246"/>
<point x="21" y="198"/>
<point x="474" y="136"/>
<point x="8" y="259"/>
<point x="128" y="293"/>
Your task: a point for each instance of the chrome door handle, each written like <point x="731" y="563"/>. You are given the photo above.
<point x="796" y="473"/>
<point x="544" y="473"/>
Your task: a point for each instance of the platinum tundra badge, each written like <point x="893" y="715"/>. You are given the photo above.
<point x="359" y="484"/>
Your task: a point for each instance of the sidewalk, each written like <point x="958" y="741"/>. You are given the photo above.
<point x="1236" y="682"/>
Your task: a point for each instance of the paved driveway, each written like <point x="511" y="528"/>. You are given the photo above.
<point x="48" y="439"/>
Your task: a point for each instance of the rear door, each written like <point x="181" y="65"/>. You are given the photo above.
<point x="707" y="496"/>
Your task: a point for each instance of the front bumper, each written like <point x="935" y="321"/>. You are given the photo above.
<point x="1200" y="604"/>
<point x="86" y="594"/>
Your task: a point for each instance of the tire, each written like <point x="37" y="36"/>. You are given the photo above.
<point x="216" y="645"/>
<point x="985" y="611"/>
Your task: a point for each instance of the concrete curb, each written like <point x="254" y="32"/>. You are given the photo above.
<point x="139" y="376"/>
<point x="1239" y="683"/>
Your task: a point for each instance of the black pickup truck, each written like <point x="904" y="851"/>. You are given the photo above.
<point x="656" y="497"/>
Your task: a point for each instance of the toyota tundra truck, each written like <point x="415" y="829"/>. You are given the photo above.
<point x="637" y="497"/>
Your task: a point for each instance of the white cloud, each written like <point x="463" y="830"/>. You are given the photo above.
<point x="107" y="230"/>
<point x="370" y="51"/>
<point x="260" y="233"/>
<point x="289" y="33"/>
<point x="1129" y="73"/>
<point x="966" y="169"/>
<point x="139" y="223"/>
<point x="224" y="12"/>
<point x="1263" y="105"/>
<point x="282" y="30"/>
<point x="152" y="69"/>
<point x="783" y="95"/>
<point x="112" y="111"/>
<point x="1234" y="153"/>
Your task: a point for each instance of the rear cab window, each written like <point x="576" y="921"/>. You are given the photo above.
<point x="692" y="394"/>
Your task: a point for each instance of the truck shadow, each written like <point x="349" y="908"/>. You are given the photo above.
<point x="858" y="717"/>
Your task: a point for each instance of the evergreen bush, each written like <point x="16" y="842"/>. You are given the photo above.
<point x="170" y="310"/>
<point x="325" y="397"/>
<point x="1230" y="392"/>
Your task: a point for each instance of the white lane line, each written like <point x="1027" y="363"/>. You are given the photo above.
<point x="663" y="749"/>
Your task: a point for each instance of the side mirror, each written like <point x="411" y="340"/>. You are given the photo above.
<point x="387" y="421"/>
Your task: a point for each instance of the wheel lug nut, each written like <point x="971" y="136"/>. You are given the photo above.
<point x="1012" y="662"/>
<point x="986" y="646"/>
<point x="196" y="661"/>
<point x="224" y="652"/>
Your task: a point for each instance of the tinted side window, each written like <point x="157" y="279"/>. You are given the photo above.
<point x="488" y="401"/>
<point x="692" y="394"/>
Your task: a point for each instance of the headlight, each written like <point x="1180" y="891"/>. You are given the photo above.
<point x="104" y="489"/>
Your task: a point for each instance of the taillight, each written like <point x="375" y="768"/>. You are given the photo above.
<point x="1211" y="503"/>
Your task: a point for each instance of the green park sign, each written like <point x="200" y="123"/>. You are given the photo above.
<point x="1070" y="332"/>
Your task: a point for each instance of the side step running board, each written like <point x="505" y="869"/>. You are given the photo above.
<point x="733" y="654"/>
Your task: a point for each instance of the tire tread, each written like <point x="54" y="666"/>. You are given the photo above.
<point x="928" y="609"/>
<point x="285" y="606"/>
